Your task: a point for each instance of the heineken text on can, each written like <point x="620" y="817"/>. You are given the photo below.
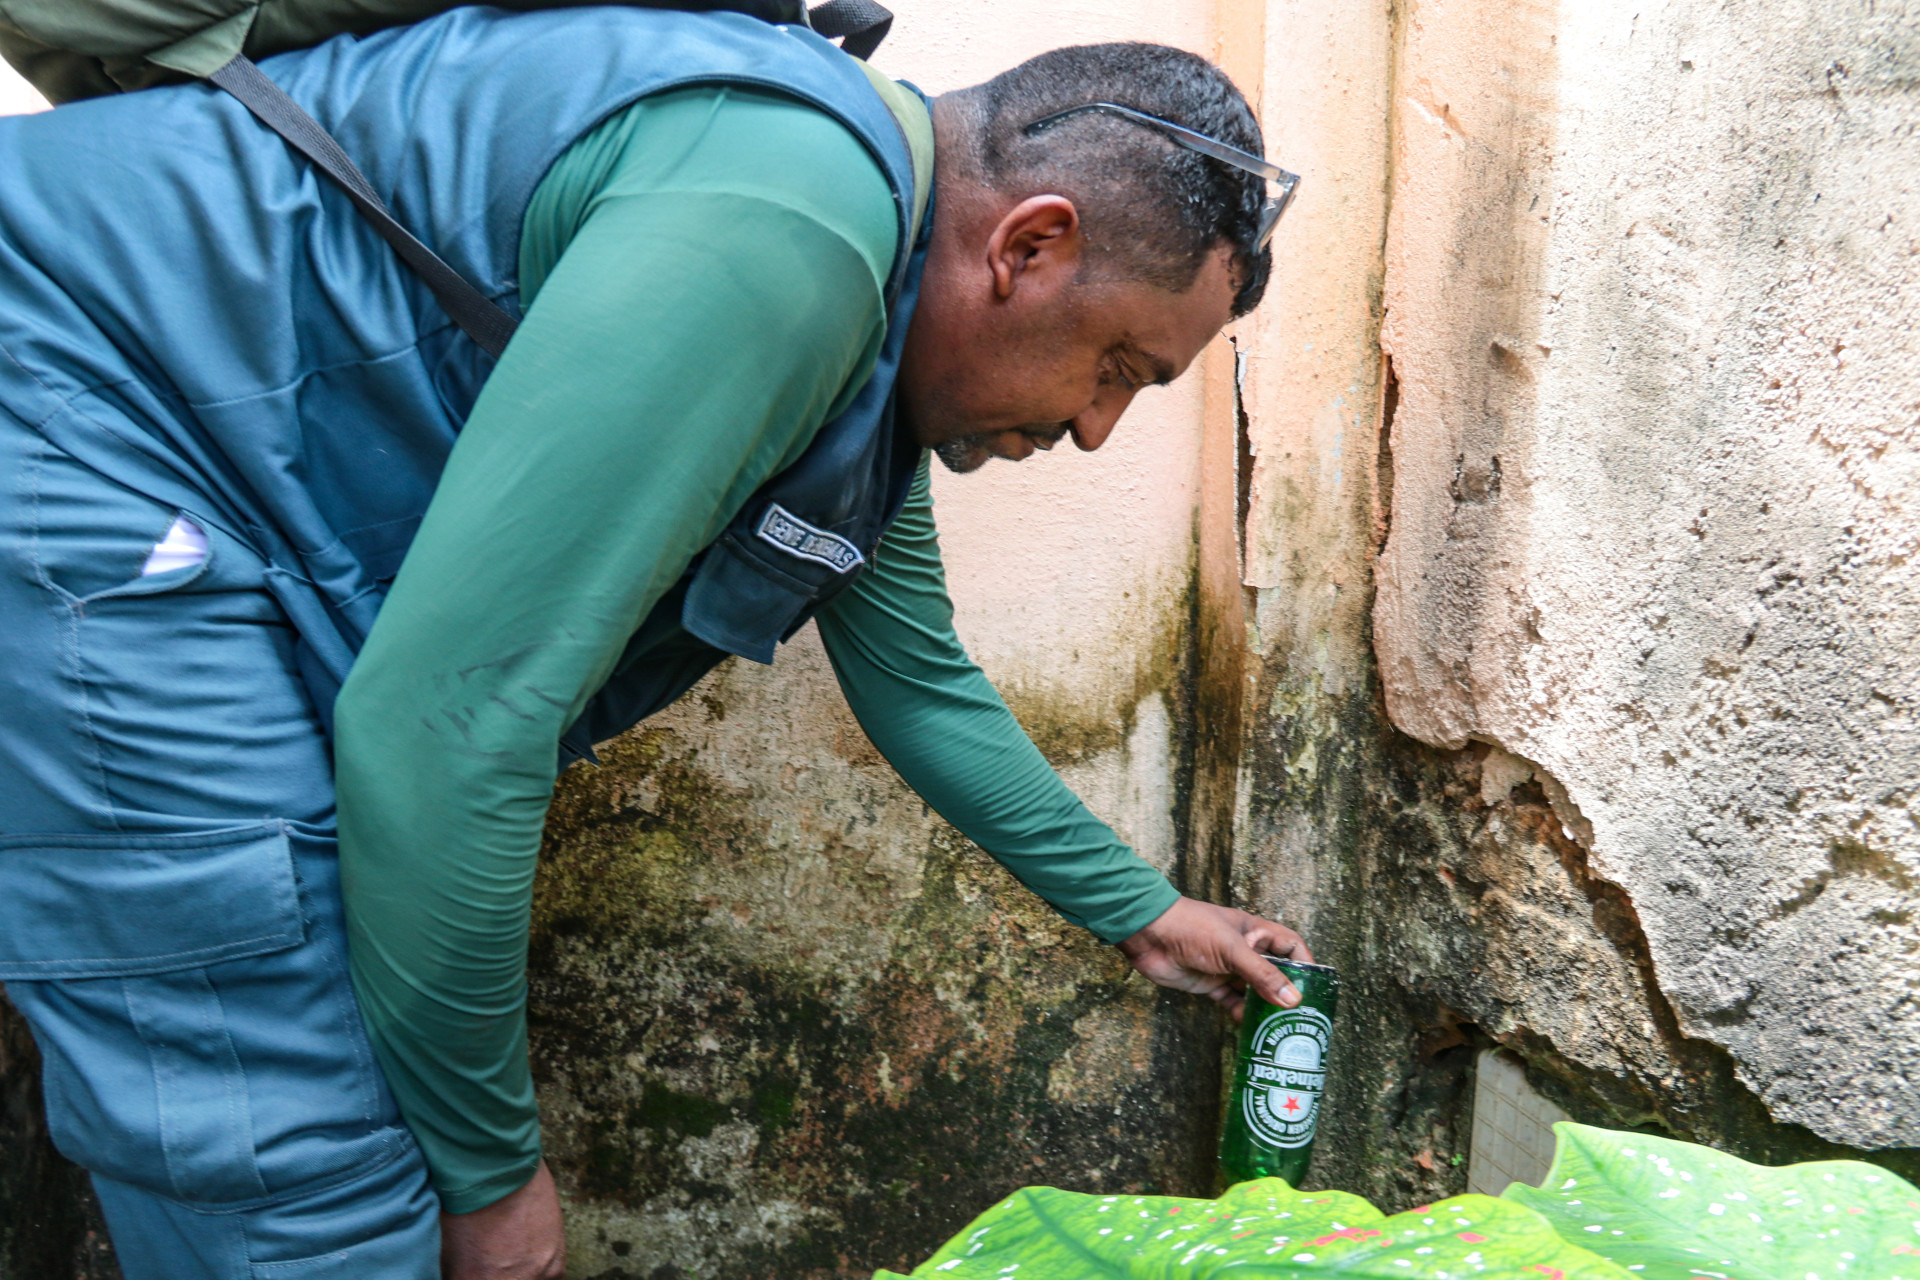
<point x="1279" y="1079"/>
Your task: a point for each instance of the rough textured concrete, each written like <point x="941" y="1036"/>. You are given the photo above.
<point x="1467" y="887"/>
<point x="786" y="1025"/>
<point x="1651" y="292"/>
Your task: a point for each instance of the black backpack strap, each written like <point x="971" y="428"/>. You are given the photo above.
<point x="481" y="318"/>
<point x="862" y="23"/>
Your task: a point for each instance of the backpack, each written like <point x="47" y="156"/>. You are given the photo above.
<point x="72" y="49"/>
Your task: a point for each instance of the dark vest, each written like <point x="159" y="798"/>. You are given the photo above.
<point x="188" y="308"/>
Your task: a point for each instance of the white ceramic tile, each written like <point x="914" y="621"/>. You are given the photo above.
<point x="1512" y="1138"/>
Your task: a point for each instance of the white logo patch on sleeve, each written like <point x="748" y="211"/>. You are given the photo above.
<point x="798" y="538"/>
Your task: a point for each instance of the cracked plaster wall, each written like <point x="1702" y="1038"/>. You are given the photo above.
<point x="1650" y="298"/>
<point x="1485" y="364"/>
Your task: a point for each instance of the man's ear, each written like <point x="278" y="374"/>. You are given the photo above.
<point x="1037" y="241"/>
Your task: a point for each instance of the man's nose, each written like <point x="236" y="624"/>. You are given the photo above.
<point x="1096" y="422"/>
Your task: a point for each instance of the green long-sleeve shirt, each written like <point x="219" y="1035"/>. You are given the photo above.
<point x="705" y="274"/>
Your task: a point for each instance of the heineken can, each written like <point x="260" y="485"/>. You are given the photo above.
<point x="1279" y="1078"/>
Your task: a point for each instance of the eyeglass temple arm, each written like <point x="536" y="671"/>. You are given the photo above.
<point x="1277" y="205"/>
<point x="1186" y="137"/>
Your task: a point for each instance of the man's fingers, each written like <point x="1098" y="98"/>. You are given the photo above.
<point x="1215" y="951"/>
<point x="1291" y="945"/>
<point x="1278" y="940"/>
<point x="1230" y="998"/>
<point x="1263" y="977"/>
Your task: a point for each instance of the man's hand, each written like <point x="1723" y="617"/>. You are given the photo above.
<point x="517" y="1237"/>
<point x="1216" y="951"/>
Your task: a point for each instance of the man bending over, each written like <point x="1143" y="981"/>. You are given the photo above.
<point x="305" y="600"/>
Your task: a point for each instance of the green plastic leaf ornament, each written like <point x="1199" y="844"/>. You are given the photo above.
<point x="1669" y="1210"/>
<point x="1256" y="1230"/>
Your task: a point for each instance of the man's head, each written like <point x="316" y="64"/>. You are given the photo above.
<point x="1074" y="264"/>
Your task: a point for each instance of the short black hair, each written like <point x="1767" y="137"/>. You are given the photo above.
<point x="1152" y="209"/>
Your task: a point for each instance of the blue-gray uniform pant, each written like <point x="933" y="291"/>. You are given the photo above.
<point x="170" y="919"/>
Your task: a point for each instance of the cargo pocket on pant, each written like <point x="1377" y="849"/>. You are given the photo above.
<point x="104" y="944"/>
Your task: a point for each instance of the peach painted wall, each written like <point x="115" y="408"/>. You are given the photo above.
<point x="1069" y="571"/>
<point x="16" y="95"/>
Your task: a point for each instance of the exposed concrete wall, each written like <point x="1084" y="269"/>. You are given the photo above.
<point x="1311" y="390"/>
<point x="788" y="1026"/>
<point x="1651" y="298"/>
<point x="1645" y="476"/>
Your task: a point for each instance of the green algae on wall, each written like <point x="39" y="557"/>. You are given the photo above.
<point x="786" y="1023"/>
<point x="1459" y="888"/>
<point x="50" y="1223"/>
<point x="1462" y="916"/>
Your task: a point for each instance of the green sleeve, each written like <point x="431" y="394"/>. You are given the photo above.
<point x="940" y="723"/>
<point x="710" y="270"/>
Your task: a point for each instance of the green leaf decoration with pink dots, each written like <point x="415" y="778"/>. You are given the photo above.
<point x="1667" y="1210"/>
<point x="1256" y="1230"/>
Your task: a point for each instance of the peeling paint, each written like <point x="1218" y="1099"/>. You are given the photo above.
<point x="1654" y="466"/>
<point x="1471" y="890"/>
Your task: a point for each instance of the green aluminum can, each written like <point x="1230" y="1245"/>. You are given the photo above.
<point x="1279" y="1079"/>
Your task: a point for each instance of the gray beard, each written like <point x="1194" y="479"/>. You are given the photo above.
<point x="967" y="453"/>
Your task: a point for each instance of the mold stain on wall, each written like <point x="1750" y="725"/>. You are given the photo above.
<point x="787" y="1023"/>
<point x="1456" y="884"/>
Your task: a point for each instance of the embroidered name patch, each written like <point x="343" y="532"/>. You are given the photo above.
<point x="796" y="537"/>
